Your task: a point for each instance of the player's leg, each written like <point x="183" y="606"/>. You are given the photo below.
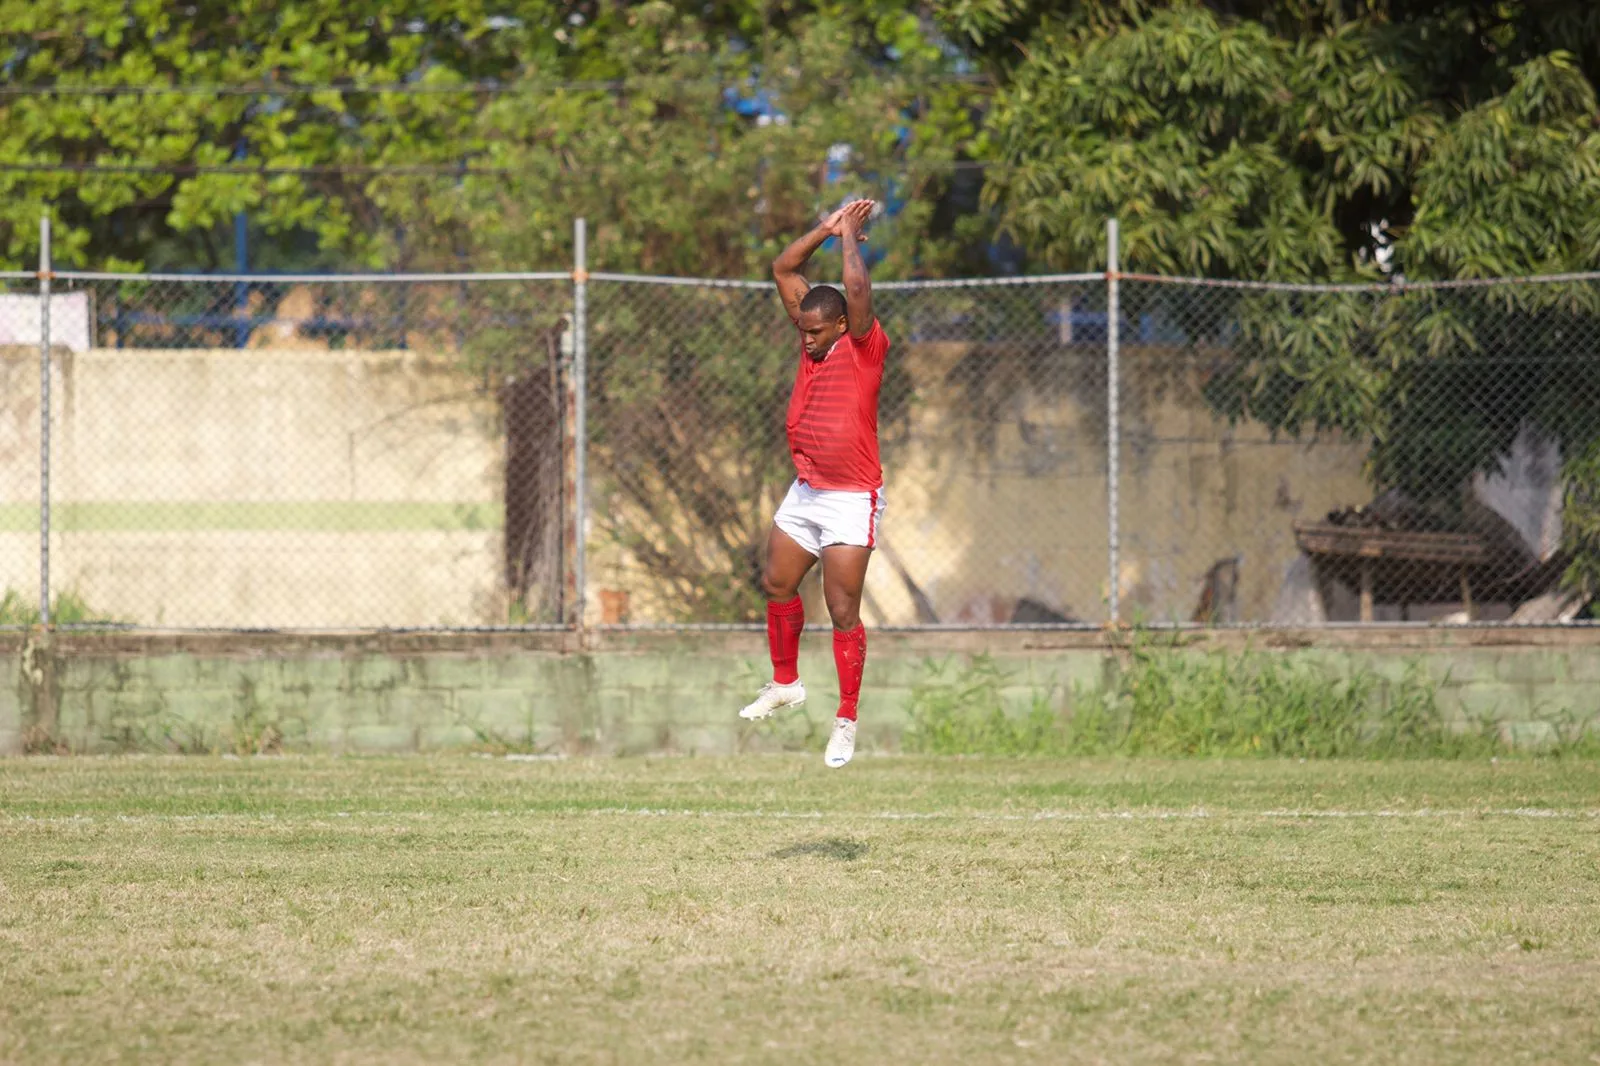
<point x="790" y="556"/>
<point x="786" y="566"/>
<point x="852" y="531"/>
<point x="844" y="574"/>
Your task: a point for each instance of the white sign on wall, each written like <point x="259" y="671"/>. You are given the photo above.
<point x="69" y="319"/>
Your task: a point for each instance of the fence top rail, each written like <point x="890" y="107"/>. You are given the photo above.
<point x="738" y="283"/>
<point x="890" y="286"/>
<point x="311" y="279"/>
<point x="545" y="275"/>
<point x="666" y="279"/>
<point x="1375" y="287"/>
<point x="984" y="283"/>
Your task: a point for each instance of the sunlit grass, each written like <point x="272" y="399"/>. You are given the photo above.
<point x="765" y="909"/>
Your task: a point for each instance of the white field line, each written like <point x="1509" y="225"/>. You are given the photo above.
<point x="1134" y="815"/>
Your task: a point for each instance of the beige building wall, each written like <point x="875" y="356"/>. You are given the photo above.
<point x="313" y="488"/>
<point x="997" y="491"/>
<point x="19" y="471"/>
<point x="989" y="509"/>
<point x="257" y="487"/>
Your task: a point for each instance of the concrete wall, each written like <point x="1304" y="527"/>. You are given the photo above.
<point x="259" y="488"/>
<point x="646" y="692"/>
<point x="981" y="524"/>
<point x="298" y="487"/>
<point x="997" y="491"/>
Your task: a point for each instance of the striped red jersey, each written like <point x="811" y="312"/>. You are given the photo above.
<point x="833" y="414"/>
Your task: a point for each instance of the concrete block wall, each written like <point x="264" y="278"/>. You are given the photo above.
<point x="618" y="692"/>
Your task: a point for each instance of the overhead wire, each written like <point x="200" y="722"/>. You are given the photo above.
<point x="370" y="169"/>
<point x="496" y="88"/>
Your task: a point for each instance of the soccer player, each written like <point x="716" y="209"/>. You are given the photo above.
<point x="833" y="508"/>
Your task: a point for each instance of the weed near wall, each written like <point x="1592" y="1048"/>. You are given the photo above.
<point x="1167" y="702"/>
<point x="963" y="712"/>
<point x="68" y="608"/>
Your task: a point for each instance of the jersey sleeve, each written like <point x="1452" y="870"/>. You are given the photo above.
<point x="874" y="347"/>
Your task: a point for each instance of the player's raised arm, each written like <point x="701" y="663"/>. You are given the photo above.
<point x="857" y="284"/>
<point x="787" y="268"/>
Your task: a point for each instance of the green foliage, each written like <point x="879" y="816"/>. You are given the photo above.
<point x="1501" y="191"/>
<point x="1165" y="702"/>
<point x="1440" y="382"/>
<point x="1168" y="703"/>
<point x="612" y="111"/>
<point x="1182" y="126"/>
<point x="1580" y="529"/>
<point x="1296" y="141"/>
<point x="1289" y="140"/>
<point x="1273" y="138"/>
<point x="15" y="610"/>
<point x="111" y="220"/>
<point x="964" y="712"/>
<point x="674" y="181"/>
<point x="68" y="608"/>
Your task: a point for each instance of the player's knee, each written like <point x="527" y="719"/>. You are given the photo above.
<point x="844" y="611"/>
<point x="776" y="588"/>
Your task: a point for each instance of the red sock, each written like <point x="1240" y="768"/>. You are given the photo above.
<point x="849" y="658"/>
<point x="784" y="624"/>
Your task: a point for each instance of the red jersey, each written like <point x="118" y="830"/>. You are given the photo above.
<point x="833" y="414"/>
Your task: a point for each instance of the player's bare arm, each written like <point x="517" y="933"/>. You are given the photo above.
<point x="857" y="283"/>
<point x="787" y="269"/>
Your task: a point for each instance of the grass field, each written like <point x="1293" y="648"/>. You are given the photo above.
<point x="767" y="910"/>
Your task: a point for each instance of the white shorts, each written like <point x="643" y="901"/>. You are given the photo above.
<point x="820" y="518"/>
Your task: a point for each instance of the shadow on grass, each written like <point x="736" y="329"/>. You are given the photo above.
<point x="830" y="848"/>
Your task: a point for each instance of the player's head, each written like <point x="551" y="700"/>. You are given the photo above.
<point x="824" y="317"/>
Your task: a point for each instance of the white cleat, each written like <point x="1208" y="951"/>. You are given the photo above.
<point x="842" y="745"/>
<point x="774" y="697"/>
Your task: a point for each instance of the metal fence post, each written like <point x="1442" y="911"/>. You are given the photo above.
<point x="1113" y="429"/>
<point x="241" y="289"/>
<point x="580" y="357"/>
<point x="44" y="420"/>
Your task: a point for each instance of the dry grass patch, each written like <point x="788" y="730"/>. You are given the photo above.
<point x="766" y="910"/>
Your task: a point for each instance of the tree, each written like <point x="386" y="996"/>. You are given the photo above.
<point x="105" y="83"/>
<point x="332" y="97"/>
<point x="686" y="386"/>
<point x="1292" y="140"/>
<point x="617" y="112"/>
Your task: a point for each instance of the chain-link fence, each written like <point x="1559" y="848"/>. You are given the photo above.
<point x="546" y="449"/>
<point x="21" y="359"/>
<point x="992" y="430"/>
<point x="1303" y="454"/>
<point x="301" y="452"/>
